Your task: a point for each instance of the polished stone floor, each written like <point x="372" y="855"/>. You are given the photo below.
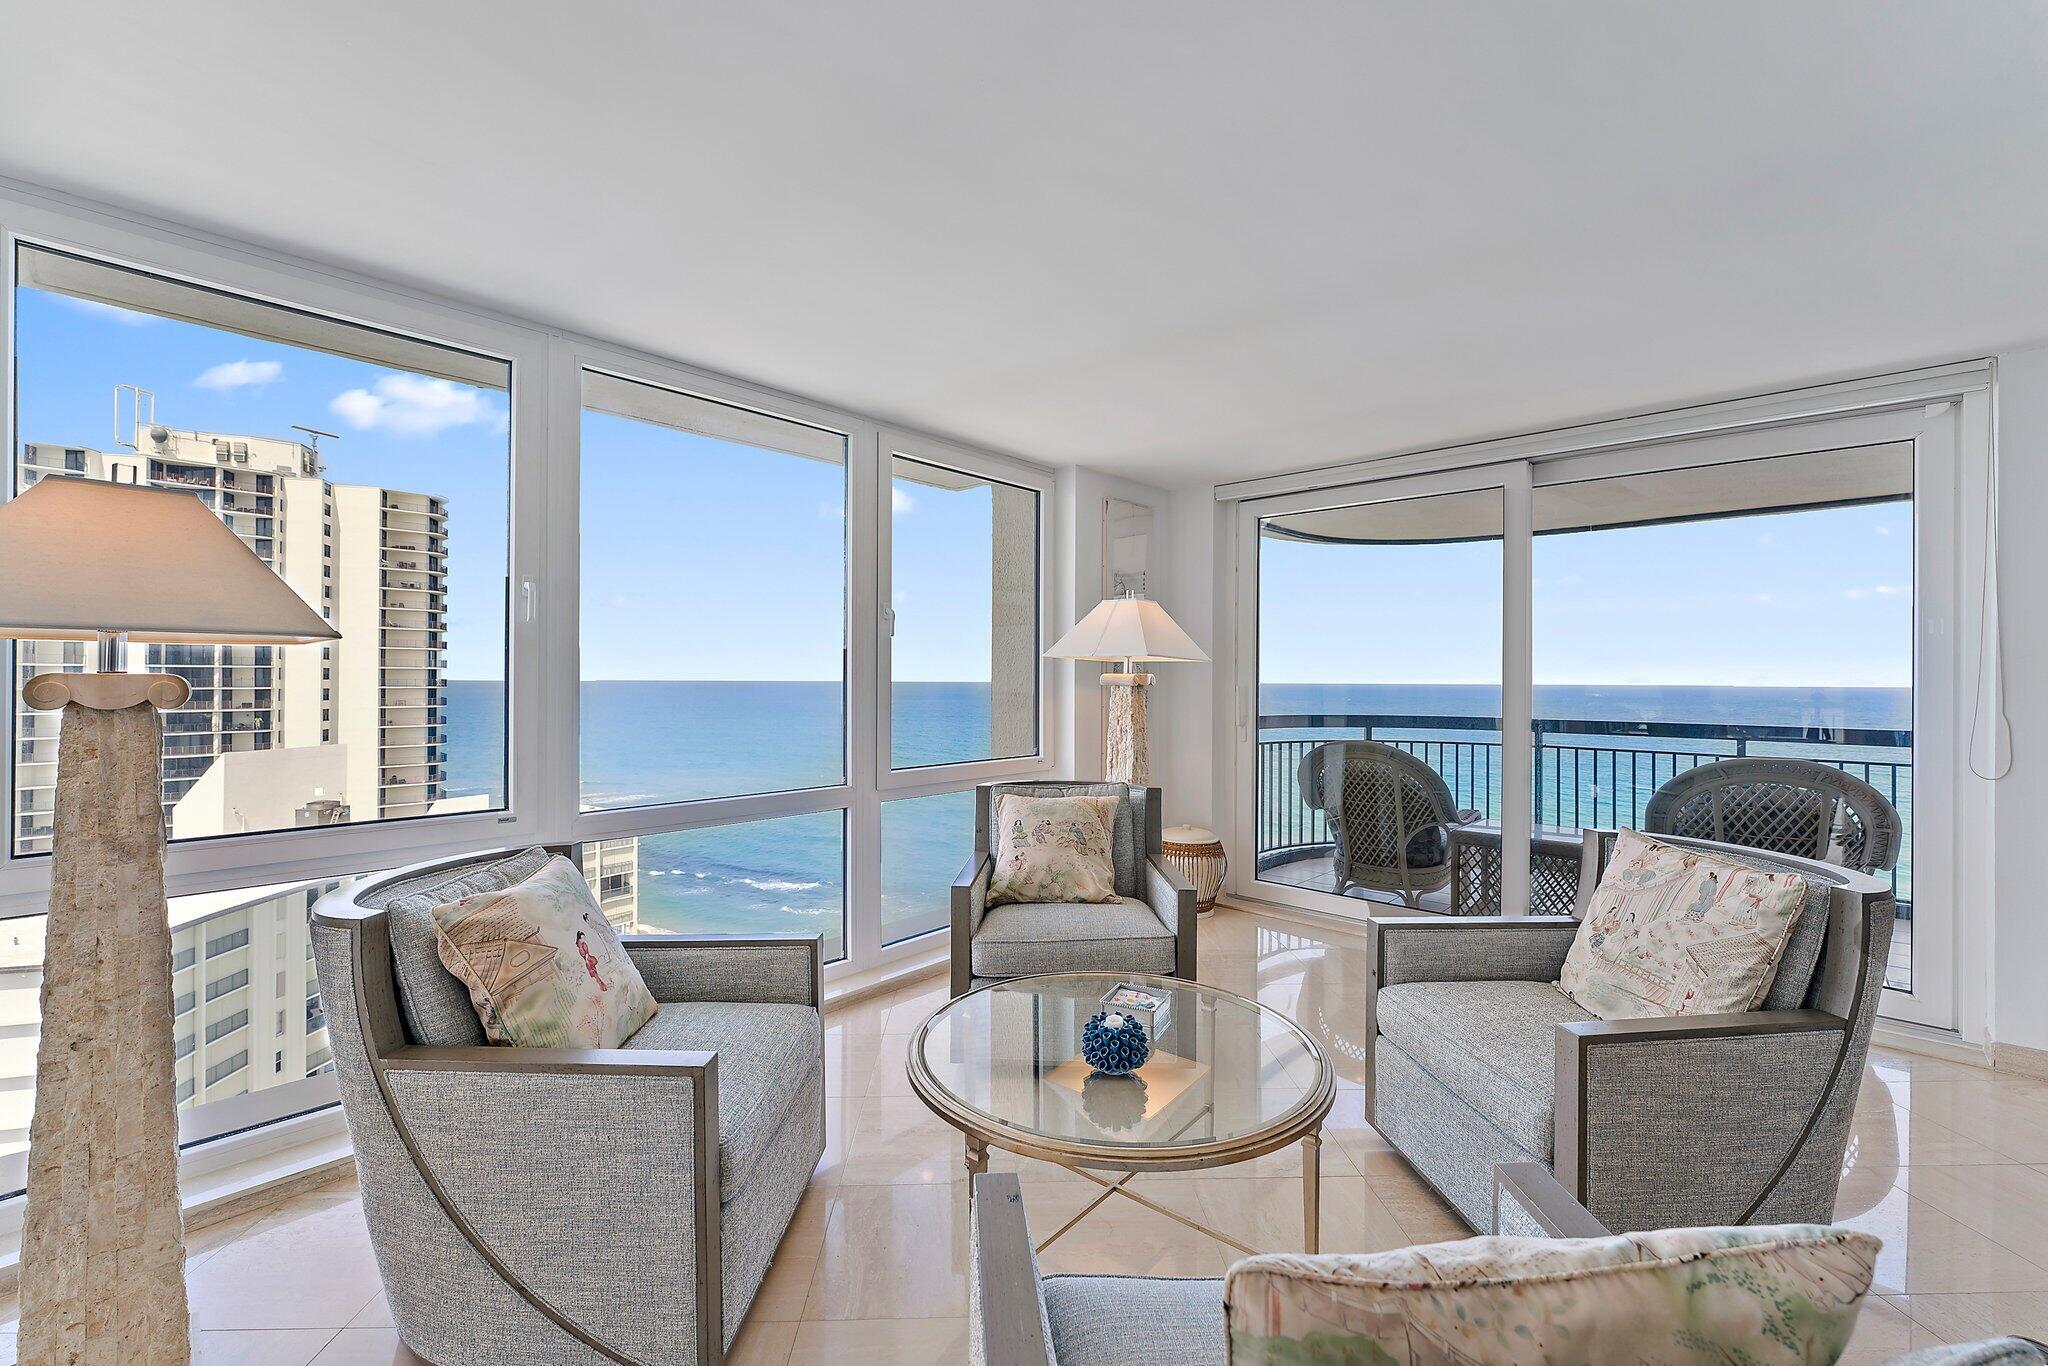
<point x="1948" y="1164"/>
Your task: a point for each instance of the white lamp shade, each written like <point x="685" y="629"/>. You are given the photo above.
<point x="80" y="556"/>
<point x="1127" y="628"/>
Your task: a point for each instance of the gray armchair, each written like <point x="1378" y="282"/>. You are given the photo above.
<point x="1657" y="1123"/>
<point x="1016" y="1317"/>
<point x="1150" y="929"/>
<point x="544" y="1206"/>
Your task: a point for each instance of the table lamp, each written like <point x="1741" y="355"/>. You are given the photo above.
<point x="1127" y="631"/>
<point x="103" y="1255"/>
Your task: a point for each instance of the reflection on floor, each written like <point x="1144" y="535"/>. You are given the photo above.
<point x="1317" y="874"/>
<point x="1948" y="1164"/>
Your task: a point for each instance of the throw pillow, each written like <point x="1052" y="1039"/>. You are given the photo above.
<point x="542" y="964"/>
<point x="1678" y="931"/>
<point x="1705" y="1295"/>
<point x="1053" y="849"/>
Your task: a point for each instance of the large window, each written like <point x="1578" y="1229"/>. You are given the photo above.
<point x="369" y="470"/>
<point x="265" y="971"/>
<point x="585" y="598"/>
<point x="713" y="599"/>
<point x="963" y="576"/>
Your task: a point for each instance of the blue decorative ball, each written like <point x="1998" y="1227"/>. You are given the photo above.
<point x="1114" y="1050"/>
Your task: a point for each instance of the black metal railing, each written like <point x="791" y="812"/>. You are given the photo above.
<point x="1583" y="773"/>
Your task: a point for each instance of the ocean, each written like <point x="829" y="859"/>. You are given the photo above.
<point x="648" y="742"/>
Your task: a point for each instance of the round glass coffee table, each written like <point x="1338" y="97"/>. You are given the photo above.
<point x="1228" y="1080"/>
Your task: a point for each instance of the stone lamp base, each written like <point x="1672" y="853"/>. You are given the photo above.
<point x="103" y="1253"/>
<point x="1129" y="756"/>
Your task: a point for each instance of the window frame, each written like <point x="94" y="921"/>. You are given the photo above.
<point x="542" y="626"/>
<point x="230" y="861"/>
<point x="930" y="779"/>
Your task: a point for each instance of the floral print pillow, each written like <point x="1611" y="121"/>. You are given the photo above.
<point x="542" y="964"/>
<point x="1053" y="849"/>
<point x="1783" y="1296"/>
<point x="1678" y="931"/>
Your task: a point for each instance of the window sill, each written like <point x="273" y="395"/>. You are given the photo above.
<point x="226" y="1177"/>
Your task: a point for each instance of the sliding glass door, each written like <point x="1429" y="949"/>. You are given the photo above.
<point x="1549" y="645"/>
<point x="1377" y="763"/>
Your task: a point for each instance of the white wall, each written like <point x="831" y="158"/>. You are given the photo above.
<point x="2019" y="948"/>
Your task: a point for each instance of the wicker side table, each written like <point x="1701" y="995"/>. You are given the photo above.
<point x="1197" y="855"/>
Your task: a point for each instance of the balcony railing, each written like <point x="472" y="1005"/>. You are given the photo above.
<point x="1584" y="773"/>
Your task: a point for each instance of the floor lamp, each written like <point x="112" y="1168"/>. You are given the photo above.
<point x="103" y="1253"/>
<point x="1127" y="631"/>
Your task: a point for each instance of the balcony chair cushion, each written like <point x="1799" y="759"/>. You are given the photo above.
<point x="1119" y="1320"/>
<point x="1673" y="930"/>
<point x="767" y="1054"/>
<point x="1492" y="1044"/>
<point x="1775" y="1294"/>
<point x="432" y="999"/>
<point x="1053" y="849"/>
<point x="544" y="967"/>
<point x="1125" y="935"/>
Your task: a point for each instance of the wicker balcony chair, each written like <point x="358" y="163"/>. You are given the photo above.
<point x="1787" y="806"/>
<point x="1390" y="816"/>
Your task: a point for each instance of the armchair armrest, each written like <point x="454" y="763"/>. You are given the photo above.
<point x="1006" y="1321"/>
<point x="1172" y="899"/>
<point x="1690" y="1120"/>
<point x="731" y="967"/>
<point x="1528" y="1202"/>
<point x="970" y="903"/>
<point x="643" y="1129"/>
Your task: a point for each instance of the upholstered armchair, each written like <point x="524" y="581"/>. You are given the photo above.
<point x="1478" y="1060"/>
<point x="1149" y="929"/>
<point x="544" y="1206"/>
<point x="1017" y="1317"/>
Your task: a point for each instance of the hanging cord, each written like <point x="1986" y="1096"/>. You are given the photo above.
<point x="1990" y="646"/>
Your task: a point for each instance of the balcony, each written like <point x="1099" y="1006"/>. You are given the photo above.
<point x="1585" y="773"/>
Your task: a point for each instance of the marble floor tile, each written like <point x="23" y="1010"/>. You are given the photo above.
<point x="893" y="1252"/>
<point x="1929" y="1252"/>
<point x="881" y="1342"/>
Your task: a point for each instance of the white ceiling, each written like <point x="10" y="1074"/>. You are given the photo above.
<point x="1183" y="240"/>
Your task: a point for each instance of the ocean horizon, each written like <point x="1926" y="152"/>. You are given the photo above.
<point x="651" y="741"/>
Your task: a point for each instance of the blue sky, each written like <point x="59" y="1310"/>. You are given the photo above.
<point x="1797" y="599"/>
<point x="701" y="558"/>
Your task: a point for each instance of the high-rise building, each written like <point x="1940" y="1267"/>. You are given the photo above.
<point x="352" y="729"/>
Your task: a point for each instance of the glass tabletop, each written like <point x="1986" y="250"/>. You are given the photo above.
<point x="1223" y="1070"/>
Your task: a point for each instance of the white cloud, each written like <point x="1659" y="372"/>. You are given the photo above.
<point x="1882" y="590"/>
<point x="413" y="405"/>
<point x="900" y="502"/>
<point x="239" y="374"/>
<point x="832" y="512"/>
<point x="93" y="308"/>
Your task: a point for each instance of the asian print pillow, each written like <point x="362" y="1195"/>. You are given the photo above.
<point x="543" y="966"/>
<point x="1053" y="849"/>
<point x="1783" y="1296"/>
<point x="1672" y="930"/>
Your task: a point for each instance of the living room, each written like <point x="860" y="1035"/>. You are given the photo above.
<point x="1057" y="684"/>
